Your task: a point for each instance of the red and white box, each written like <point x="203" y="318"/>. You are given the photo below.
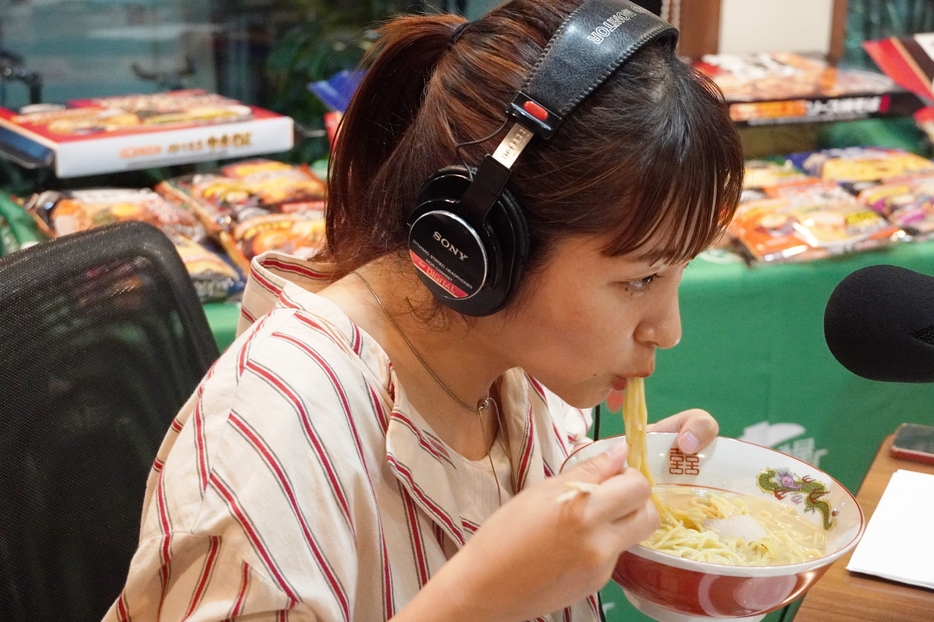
<point x="132" y="132"/>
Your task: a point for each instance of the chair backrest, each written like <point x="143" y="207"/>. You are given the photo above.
<point x="102" y="339"/>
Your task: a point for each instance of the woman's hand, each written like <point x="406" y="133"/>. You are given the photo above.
<point x="696" y="428"/>
<point x="538" y="553"/>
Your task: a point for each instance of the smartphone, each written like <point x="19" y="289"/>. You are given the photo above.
<point x="914" y="441"/>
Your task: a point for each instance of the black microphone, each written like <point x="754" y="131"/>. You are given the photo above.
<point x="879" y="324"/>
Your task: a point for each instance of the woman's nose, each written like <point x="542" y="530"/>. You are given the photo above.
<point x="662" y="326"/>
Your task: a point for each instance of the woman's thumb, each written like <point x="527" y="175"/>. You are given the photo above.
<point x="604" y="465"/>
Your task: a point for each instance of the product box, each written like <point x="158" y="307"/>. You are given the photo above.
<point x="783" y="87"/>
<point x="909" y="61"/>
<point x="113" y="134"/>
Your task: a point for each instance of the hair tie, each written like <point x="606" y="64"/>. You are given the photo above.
<point x="457" y="32"/>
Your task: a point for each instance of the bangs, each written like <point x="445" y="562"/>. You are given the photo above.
<point x="692" y="175"/>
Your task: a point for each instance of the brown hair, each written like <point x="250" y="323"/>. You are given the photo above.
<point x="653" y="148"/>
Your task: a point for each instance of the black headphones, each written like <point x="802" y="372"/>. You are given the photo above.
<point x="468" y="237"/>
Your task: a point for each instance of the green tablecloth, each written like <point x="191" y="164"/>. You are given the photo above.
<point x="18" y="229"/>
<point x="223" y="317"/>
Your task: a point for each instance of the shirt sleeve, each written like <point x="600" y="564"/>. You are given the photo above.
<point x="203" y="579"/>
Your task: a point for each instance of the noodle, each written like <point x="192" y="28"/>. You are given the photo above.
<point x="788" y="537"/>
<point x="635" y="420"/>
<point x="782" y="535"/>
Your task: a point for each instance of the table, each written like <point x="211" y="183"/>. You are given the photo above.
<point x="844" y="596"/>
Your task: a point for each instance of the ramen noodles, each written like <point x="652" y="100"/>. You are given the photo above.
<point x="635" y="420"/>
<point x="759" y="531"/>
<point x="716" y="526"/>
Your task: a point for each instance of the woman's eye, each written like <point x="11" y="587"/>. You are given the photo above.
<point x="640" y="285"/>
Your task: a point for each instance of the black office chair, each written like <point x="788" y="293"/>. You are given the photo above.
<point x="102" y="339"/>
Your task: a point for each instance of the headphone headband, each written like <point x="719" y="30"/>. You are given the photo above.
<point x="591" y="43"/>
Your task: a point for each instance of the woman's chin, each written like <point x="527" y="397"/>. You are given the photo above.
<point x="589" y="399"/>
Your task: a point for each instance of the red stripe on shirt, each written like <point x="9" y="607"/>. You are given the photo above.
<point x="294" y="268"/>
<point x="415" y="535"/>
<point x="237" y="607"/>
<point x="538" y="388"/>
<point x="289" y="395"/>
<point x="247" y="315"/>
<point x="123" y="614"/>
<point x="233" y="504"/>
<point x="242" y="354"/>
<point x="389" y="605"/>
<point x="594" y="606"/>
<point x="265" y="283"/>
<point x="433" y="448"/>
<point x="206" y="570"/>
<point x="436" y="511"/>
<point x="200" y="443"/>
<point x="357" y="341"/>
<point x="165" y="551"/>
<point x="525" y="454"/>
<point x="439" y="534"/>
<point x="348" y="415"/>
<point x="315" y="325"/>
<point x="381" y="416"/>
<point x="263" y="449"/>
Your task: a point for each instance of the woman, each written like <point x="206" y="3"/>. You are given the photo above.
<point x="363" y="451"/>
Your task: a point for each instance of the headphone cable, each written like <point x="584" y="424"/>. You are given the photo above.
<point x="459" y="146"/>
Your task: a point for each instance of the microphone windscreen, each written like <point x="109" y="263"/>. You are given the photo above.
<point x="879" y="324"/>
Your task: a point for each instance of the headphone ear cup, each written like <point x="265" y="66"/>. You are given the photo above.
<point x="447" y="184"/>
<point x="470" y="267"/>
<point x="507" y="218"/>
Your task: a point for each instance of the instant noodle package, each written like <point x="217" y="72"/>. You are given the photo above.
<point x="255" y="205"/>
<point x="59" y="213"/>
<point x="857" y="168"/>
<point x="906" y="201"/>
<point x="809" y="219"/>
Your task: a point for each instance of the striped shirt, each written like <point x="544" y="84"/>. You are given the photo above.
<point x="298" y="482"/>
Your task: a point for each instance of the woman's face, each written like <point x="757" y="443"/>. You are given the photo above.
<point x="590" y="321"/>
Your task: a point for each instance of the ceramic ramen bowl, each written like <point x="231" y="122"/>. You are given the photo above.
<point x="672" y="589"/>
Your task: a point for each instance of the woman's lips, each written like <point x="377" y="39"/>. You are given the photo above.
<point x="619" y="382"/>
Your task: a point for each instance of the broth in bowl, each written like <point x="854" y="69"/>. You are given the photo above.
<point x="709" y="525"/>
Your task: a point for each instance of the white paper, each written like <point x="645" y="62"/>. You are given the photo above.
<point x="898" y="543"/>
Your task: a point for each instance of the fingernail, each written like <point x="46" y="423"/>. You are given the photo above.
<point x="689" y="443"/>
<point x="618" y="449"/>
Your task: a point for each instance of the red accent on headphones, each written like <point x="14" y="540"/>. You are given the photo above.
<point x="535" y="110"/>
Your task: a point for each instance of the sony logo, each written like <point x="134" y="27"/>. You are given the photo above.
<point x="446" y="244"/>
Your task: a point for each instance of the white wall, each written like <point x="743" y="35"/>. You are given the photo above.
<point x="775" y="26"/>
